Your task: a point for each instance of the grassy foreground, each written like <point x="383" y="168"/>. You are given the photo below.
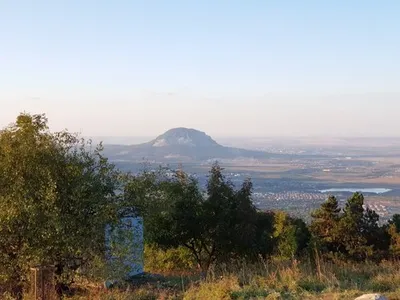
<point x="264" y="280"/>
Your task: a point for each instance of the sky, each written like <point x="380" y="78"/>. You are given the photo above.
<point x="226" y="67"/>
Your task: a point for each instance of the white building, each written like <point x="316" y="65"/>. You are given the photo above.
<point x="125" y="246"/>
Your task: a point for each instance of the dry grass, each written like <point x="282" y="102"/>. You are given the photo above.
<point x="269" y="280"/>
<point x="266" y="279"/>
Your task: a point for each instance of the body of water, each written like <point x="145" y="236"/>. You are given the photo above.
<point x="353" y="190"/>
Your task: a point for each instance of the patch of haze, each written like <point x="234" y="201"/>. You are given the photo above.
<point x="256" y="142"/>
<point x="120" y="140"/>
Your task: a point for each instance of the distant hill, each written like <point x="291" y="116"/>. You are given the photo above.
<point x="179" y="145"/>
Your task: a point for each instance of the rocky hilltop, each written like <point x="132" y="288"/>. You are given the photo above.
<point x="179" y="145"/>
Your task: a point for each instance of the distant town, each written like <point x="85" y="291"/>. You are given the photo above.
<point x="295" y="175"/>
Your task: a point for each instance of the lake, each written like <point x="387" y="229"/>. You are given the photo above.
<point x="353" y="190"/>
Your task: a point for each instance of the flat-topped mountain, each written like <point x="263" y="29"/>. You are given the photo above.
<point x="179" y="145"/>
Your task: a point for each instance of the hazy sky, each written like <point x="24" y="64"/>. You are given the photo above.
<point x="230" y="68"/>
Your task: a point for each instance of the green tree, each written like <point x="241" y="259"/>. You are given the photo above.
<point x="264" y="233"/>
<point x="216" y="225"/>
<point x="303" y="234"/>
<point x="285" y="236"/>
<point x="377" y="237"/>
<point x="245" y="221"/>
<point x="291" y="235"/>
<point x="395" y="220"/>
<point x="172" y="209"/>
<point x="229" y="218"/>
<point x="218" y="211"/>
<point x="148" y="192"/>
<point x="56" y="196"/>
<point x="356" y="227"/>
<point x="394" y="233"/>
<point x="324" y="225"/>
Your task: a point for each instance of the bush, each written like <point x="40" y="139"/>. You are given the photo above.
<point x="174" y="260"/>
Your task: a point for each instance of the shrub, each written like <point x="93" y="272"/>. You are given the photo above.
<point x="174" y="260"/>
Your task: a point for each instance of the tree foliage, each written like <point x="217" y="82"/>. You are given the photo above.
<point x="325" y="224"/>
<point x="291" y="235"/>
<point x="217" y="224"/>
<point x="394" y="234"/>
<point x="353" y="231"/>
<point x="214" y="225"/>
<point x="56" y="195"/>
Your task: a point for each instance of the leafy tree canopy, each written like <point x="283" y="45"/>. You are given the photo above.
<point x="57" y="192"/>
